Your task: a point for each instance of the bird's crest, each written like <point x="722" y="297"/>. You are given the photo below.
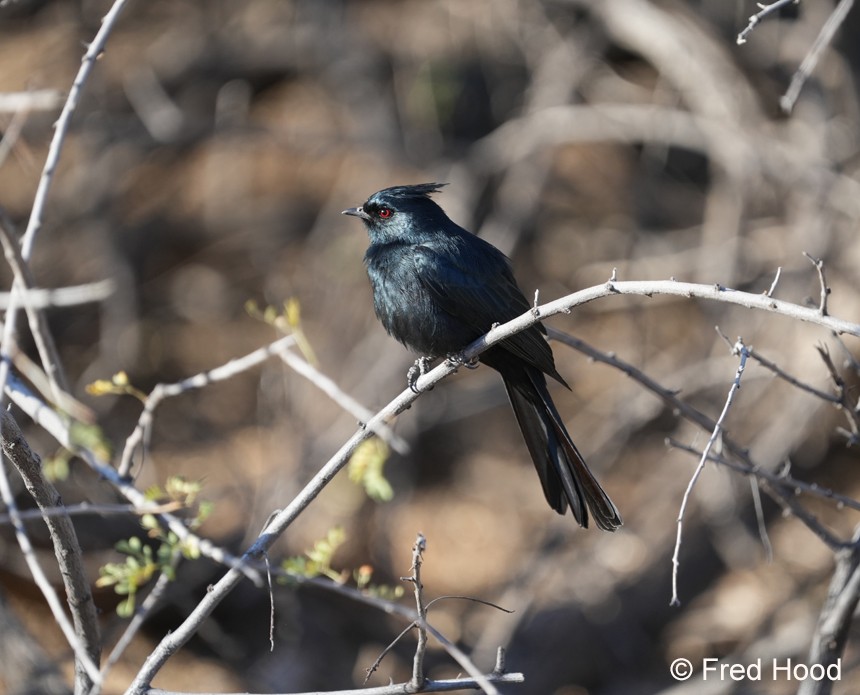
<point x="418" y="190"/>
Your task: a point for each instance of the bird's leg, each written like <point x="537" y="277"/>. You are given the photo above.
<point x="416" y="371"/>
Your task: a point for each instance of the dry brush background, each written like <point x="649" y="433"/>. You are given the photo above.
<point x="214" y="147"/>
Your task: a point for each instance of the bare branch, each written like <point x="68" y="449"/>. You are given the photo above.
<point x="741" y="350"/>
<point x="418" y="677"/>
<point x="773" y="285"/>
<point x="86" y="641"/>
<point x="781" y="487"/>
<point x="60" y="429"/>
<point x="852" y="412"/>
<point x="94" y="50"/>
<point x="344" y="400"/>
<point x="759" y="517"/>
<point x="785" y="376"/>
<point x="756" y="18"/>
<point x="74" y="295"/>
<point x="825" y="290"/>
<point x="822" y="41"/>
<point x="140" y="615"/>
<point x="87" y="509"/>
<point x="198" y="381"/>
<point x="38" y="325"/>
<point x="36" y="100"/>
<point x="837" y="614"/>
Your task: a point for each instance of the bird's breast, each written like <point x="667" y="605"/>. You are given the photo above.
<point x="408" y="311"/>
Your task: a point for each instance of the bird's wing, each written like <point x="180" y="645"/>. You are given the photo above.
<point x="483" y="293"/>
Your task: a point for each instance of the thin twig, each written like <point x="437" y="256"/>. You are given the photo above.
<point x="344" y="400"/>
<point x="66" y="403"/>
<point x="370" y="670"/>
<point x="852" y="413"/>
<point x="36" y="100"/>
<point x="781" y="487"/>
<point x="61" y="128"/>
<point x="759" y="517"/>
<point x="162" y="391"/>
<point x="773" y="285"/>
<point x="822" y="281"/>
<point x="11" y="133"/>
<point x="783" y="479"/>
<point x="499" y="668"/>
<point x="38" y="325"/>
<point x="271" y="603"/>
<point x="418" y="549"/>
<point x="73" y="295"/>
<point x="140" y="615"/>
<point x="822" y="41"/>
<point x="740" y="350"/>
<point x="756" y="18"/>
<point x="785" y="376"/>
<point x="88" y="509"/>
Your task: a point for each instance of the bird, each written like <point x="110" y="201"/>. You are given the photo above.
<point x="436" y="289"/>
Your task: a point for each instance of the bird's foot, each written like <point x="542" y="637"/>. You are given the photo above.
<point x="416" y="371"/>
<point x="458" y="359"/>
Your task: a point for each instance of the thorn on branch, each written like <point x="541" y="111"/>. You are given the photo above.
<point x="770" y="292"/>
<point x="613" y="278"/>
<point x="822" y="281"/>
<point x="499" y="668"/>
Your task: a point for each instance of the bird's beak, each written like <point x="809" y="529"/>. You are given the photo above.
<point x="356" y="212"/>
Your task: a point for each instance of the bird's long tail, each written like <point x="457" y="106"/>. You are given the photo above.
<point x="565" y="477"/>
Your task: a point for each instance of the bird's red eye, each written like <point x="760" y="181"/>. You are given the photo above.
<point x="384" y="213"/>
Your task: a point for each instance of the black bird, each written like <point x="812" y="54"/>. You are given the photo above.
<point x="436" y="289"/>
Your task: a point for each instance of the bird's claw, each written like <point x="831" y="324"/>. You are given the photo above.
<point x="458" y="359"/>
<point x="416" y="371"/>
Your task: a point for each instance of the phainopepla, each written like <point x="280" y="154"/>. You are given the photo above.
<point x="436" y="289"/>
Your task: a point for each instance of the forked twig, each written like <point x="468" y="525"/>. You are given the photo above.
<point x="758" y="16"/>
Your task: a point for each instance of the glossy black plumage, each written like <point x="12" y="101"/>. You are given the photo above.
<point x="437" y="288"/>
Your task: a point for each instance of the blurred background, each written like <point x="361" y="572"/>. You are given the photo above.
<point x="209" y="159"/>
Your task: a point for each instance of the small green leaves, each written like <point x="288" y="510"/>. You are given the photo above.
<point x="119" y="384"/>
<point x="287" y="321"/>
<point x="127" y="577"/>
<point x="317" y="561"/>
<point x="366" y="468"/>
<point x="162" y="553"/>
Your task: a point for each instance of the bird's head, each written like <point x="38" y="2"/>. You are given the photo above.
<point x="400" y="212"/>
